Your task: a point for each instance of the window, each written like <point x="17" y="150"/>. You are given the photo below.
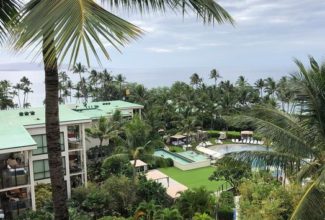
<point x="42" y="143"/>
<point x="42" y="170"/>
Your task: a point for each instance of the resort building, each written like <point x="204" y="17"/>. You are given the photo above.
<point x="23" y="150"/>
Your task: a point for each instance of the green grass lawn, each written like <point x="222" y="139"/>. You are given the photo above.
<point x="193" y="178"/>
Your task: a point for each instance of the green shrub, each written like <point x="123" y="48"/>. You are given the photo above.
<point x="159" y="162"/>
<point x="213" y="134"/>
<point x="43" y="195"/>
<point x="230" y="134"/>
<point x="233" y="134"/>
<point x="226" y="205"/>
<point x="176" y="149"/>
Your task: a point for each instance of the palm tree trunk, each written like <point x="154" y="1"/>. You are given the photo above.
<point x="18" y="96"/>
<point x="59" y="194"/>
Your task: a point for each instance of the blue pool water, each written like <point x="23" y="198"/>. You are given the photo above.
<point x="193" y="156"/>
<point x="225" y="149"/>
<point x="173" y="156"/>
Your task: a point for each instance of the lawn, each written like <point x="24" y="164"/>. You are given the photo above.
<point x="194" y="178"/>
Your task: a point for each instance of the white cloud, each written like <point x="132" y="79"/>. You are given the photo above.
<point x="159" y="50"/>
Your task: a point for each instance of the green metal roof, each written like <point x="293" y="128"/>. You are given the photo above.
<point x="12" y="131"/>
<point x="14" y="136"/>
<point x="12" y="115"/>
<point x="95" y="110"/>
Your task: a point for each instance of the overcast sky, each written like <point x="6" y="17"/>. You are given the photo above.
<point x="266" y="37"/>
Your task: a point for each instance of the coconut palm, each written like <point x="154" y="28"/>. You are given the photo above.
<point x="63" y="27"/>
<point x="168" y="214"/>
<point x="259" y="84"/>
<point x="270" y="86"/>
<point x="195" y="79"/>
<point x="80" y="69"/>
<point x="120" y="79"/>
<point x="214" y="74"/>
<point x="298" y="142"/>
<point x="8" y="10"/>
<point x="146" y="210"/>
<point x="18" y="87"/>
<point x="104" y="129"/>
<point x="196" y="200"/>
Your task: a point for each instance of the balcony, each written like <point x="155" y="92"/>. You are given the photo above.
<point x="74" y="135"/>
<point x="14" y="177"/>
<point x="13" y="203"/>
<point x="74" y="143"/>
<point x="75" y="164"/>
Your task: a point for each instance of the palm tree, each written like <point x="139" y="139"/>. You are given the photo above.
<point x="195" y="79"/>
<point x="241" y="81"/>
<point x="168" y="214"/>
<point x="259" y="84"/>
<point x="298" y="141"/>
<point x="196" y="200"/>
<point x="8" y="10"/>
<point x="70" y="87"/>
<point x="214" y="74"/>
<point x="17" y="88"/>
<point x="45" y="22"/>
<point x="146" y="210"/>
<point x="80" y="69"/>
<point x="270" y="86"/>
<point x="137" y="139"/>
<point x="25" y="84"/>
<point x="120" y="79"/>
<point x="104" y="129"/>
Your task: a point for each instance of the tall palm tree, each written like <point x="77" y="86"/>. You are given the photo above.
<point x="259" y="84"/>
<point x="120" y="79"/>
<point x="63" y="27"/>
<point x="298" y="141"/>
<point x="241" y="81"/>
<point x="270" y="86"/>
<point x="195" y="79"/>
<point x="104" y="129"/>
<point x="214" y="74"/>
<point x="80" y="69"/>
<point x="25" y="83"/>
<point x="18" y="87"/>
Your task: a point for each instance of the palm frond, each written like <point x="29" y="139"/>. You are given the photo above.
<point x="208" y="10"/>
<point x="269" y="158"/>
<point x="283" y="130"/>
<point x="76" y="25"/>
<point x="8" y="11"/>
<point x="312" y="203"/>
<point x="116" y="156"/>
<point x="308" y="170"/>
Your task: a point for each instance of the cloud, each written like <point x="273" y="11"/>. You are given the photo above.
<point x="159" y="50"/>
<point x="171" y="49"/>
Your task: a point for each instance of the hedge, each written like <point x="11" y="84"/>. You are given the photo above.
<point x="230" y="134"/>
<point x="226" y="206"/>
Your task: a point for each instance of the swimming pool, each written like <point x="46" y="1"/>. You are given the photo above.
<point x="185" y="160"/>
<point x="231" y="148"/>
<point x="193" y="156"/>
<point x="173" y="156"/>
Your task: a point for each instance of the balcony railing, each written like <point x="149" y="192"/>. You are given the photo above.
<point x="74" y="143"/>
<point x="13" y="209"/>
<point x="11" y="177"/>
